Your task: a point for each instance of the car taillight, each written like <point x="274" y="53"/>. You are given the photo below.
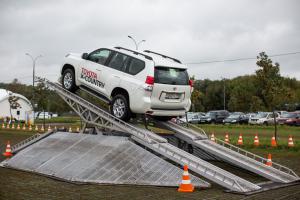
<point x="150" y="80"/>
<point x="191" y="83"/>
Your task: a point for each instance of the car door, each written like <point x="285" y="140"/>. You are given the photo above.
<point x="116" y="71"/>
<point x="93" y="71"/>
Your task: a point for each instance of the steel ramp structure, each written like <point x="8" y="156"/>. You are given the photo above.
<point x="86" y="158"/>
<point x="234" y="155"/>
<point x="98" y="117"/>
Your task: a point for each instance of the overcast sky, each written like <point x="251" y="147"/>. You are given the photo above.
<point x="192" y="31"/>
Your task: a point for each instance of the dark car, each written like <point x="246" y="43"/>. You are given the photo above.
<point x="284" y="117"/>
<point x="236" y="118"/>
<point x="215" y="116"/>
<point x="294" y="119"/>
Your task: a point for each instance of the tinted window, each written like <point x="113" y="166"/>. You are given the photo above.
<point x="135" y="66"/>
<point x="118" y="61"/>
<point x="172" y="76"/>
<point x="99" y="56"/>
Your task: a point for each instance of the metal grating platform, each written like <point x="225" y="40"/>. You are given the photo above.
<point x="97" y="159"/>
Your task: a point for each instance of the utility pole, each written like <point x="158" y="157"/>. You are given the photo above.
<point x="224" y="94"/>
<point x="136" y="43"/>
<point x="33" y="78"/>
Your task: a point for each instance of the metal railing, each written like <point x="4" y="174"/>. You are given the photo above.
<point x="20" y="144"/>
<point x="187" y="125"/>
<point x="255" y="157"/>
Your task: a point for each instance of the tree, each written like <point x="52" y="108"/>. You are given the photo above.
<point x="269" y="82"/>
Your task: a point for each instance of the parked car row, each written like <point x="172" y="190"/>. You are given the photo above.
<point x="44" y="115"/>
<point x="259" y="118"/>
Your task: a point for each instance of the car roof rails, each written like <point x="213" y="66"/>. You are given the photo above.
<point x="164" y="56"/>
<point x="135" y="52"/>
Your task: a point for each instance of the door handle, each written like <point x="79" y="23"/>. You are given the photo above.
<point x="98" y="70"/>
<point x="116" y="76"/>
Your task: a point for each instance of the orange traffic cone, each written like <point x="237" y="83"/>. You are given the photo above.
<point x="7" y="125"/>
<point x="269" y="160"/>
<point x="3" y="125"/>
<point x="7" y="150"/>
<point x="30" y="127"/>
<point x="256" y="141"/>
<point x="24" y="127"/>
<point x="240" y="140"/>
<point x="226" y="138"/>
<point x="18" y="127"/>
<point x="273" y="142"/>
<point x="78" y="130"/>
<point x="55" y="128"/>
<point x="49" y="128"/>
<point x="186" y="185"/>
<point x="36" y="128"/>
<point x="212" y="137"/>
<point x="13" y="126"/>
<point x="291" y="142"/>
<point x="70" y="129"/>
<point x="42" y="129"/>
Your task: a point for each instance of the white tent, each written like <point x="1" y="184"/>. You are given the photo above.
<point x="15" y="105"/>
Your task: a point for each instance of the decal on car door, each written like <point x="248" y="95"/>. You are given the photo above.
<point x="91" y="77"/>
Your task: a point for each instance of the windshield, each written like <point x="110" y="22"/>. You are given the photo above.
<point x="261" y="115"/>
<point x="171" y="76"/>
<point x="233" y="116"/>
<point x="289" y="115"/>
<point x="209" y="114"/>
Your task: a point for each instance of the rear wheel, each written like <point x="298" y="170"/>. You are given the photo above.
<point x="68" y="80"/>
<point x="120" y="107"/>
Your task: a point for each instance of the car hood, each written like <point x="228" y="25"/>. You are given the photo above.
<point x="77" y="55"/>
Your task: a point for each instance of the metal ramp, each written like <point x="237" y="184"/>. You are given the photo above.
<point x="94" y="115"/>
<point x="234" y="155"/>
<point x="86" y="158"/>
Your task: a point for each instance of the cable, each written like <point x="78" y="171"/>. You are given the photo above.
<point x="239" y="59"/>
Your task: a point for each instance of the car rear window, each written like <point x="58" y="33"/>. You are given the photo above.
<point x="171" y="76"/>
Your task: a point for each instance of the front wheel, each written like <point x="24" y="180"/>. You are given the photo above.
<point x="68" y="80"/>
<point x="120" y="107"/>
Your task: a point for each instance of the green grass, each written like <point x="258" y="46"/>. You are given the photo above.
<point x="66" y="119"/>
<point x="265" y="134"/>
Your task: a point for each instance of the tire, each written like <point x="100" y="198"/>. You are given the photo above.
<point x="68" y="80"/>
<point x="266" y="123"/>
<point x="119" y="107"/>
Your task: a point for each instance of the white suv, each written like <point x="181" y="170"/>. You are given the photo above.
<point x="131" y="81"/>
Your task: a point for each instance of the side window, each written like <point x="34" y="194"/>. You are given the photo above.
<point x="135" y="66"/>
<point x="99" y="56"/>
<point x="118" y="61"/>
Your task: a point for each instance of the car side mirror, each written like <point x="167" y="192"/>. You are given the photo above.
<point x="85" y="56"/>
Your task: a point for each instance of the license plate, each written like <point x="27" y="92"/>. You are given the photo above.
<point x="172" y="96"/>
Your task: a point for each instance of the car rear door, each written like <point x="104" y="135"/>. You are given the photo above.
<point x="171" y="89"/>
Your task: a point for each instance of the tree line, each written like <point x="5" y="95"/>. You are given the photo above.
<point x="266" y="90"/>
